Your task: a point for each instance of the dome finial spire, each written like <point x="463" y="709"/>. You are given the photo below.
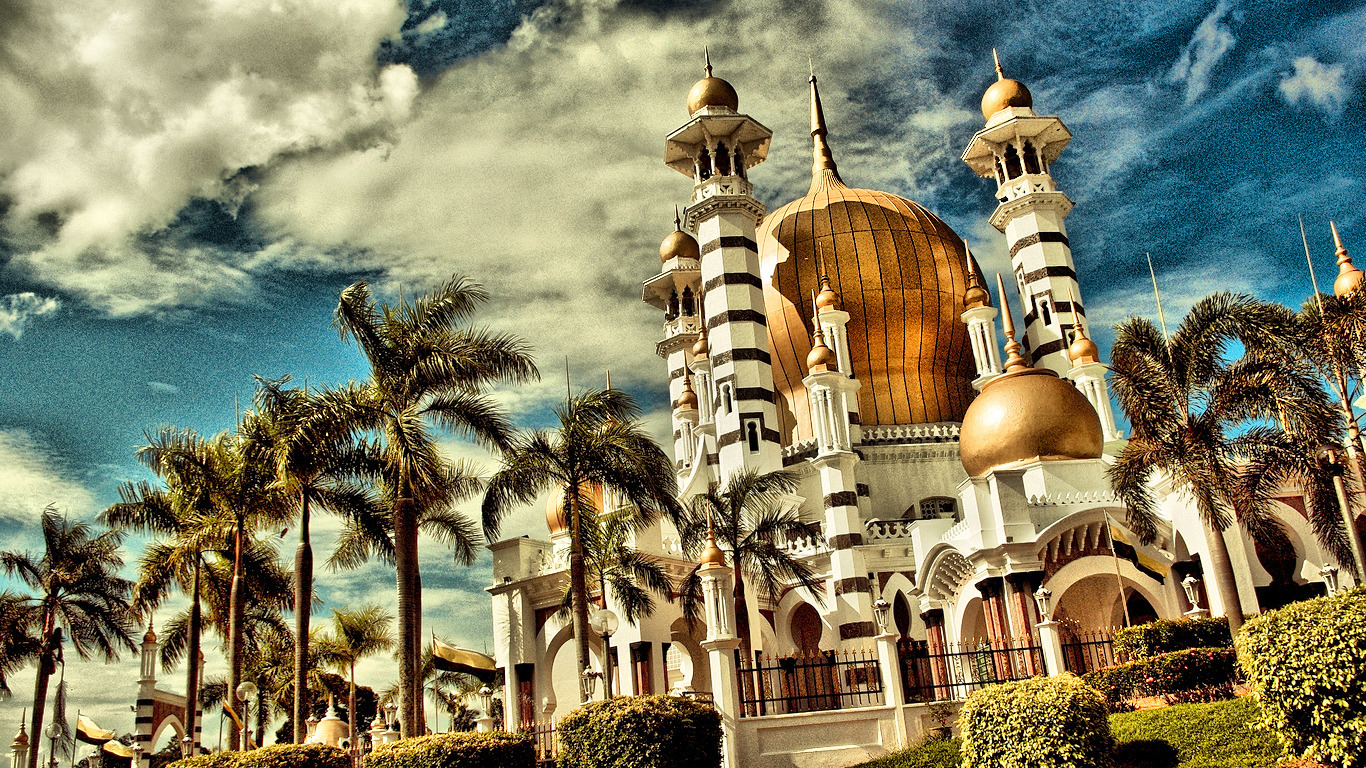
<point x="977" y="294"/>
<point x="823" y="168"/>
<point x="678" y="223"/>
<point x="1000" y="74"/>
<point x="706" y="56"/>
<point x="1349" y="277"/>
<point x="1014" y="360"/>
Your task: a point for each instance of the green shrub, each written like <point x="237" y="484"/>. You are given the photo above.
<point x="1059" y="722"/>
<point x="640" y="732"/>
<point x="1219" y="735"/>
<point x="1155" y="638"/>
<point x="456" y="750"/>
<point x="930" y="753"/>
<point x="1196" y="674"/>
<point x="276" y="756"/>
<point x="1304" y="663"/>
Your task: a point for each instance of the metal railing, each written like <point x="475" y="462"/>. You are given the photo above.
<point x="1090" y="651"/>
<point x="958" y="669"/>
<point x="815" y="682"/>
<point x="543" y="742"/>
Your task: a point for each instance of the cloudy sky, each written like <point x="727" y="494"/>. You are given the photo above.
<point x="185" y="187"/>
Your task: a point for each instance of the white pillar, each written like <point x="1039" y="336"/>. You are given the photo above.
<point x="721" y="643"/>
<point x="1051" y="641"/>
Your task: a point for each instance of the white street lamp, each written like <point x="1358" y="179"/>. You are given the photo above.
<point x="1042" y="597"/>
<point x="605" y="623"/>
<point x="245" y="691"/>
<point x="880" y="608"/>
<point x="1330" y="578"/>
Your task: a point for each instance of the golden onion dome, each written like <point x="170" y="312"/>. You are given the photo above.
<point x="1004" y="93"/>
<point x="713" y="556"/>
<point x="1083" y="350"/>
<point x="1349" y="277"/>
<point x="827" y="299"/>
<point x="712" y="92"/>
<point x="1025" y="415"/>
<point x="977" y="294"/>
<point x="701" y="348"/>
<point x="555" y="508"/>
<point x="900" y="273"/>
<point x="151" y="636"/>
<point x="679" y="244"/>
<point x="821" y="358"/>
<point x="688" y="400"/>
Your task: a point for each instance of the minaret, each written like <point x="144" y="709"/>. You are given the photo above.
<point x="980" y="318"/>
<point x="715" y="148"/>
<point x="147" y="686"/>
<point x="677" y="291"/>
<point x="1016" y="149"/>
<point x="1349" y="277"/>
<point x="1088" y="374"/>
<point x="18" y="749"/>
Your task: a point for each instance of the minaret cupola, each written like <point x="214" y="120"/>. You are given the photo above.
<point x="1349" y="277"/>
<point x="1004" y="93"/>
<point x="712" y="92"/>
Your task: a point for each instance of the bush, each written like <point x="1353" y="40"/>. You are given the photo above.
<point x="456" y="750"/>
<point x="1219" y="735"/>
<point x="1304" y="663"/>
<point x="276" y="756"/>
<point x="930" y="753"/>
<point x="641" y="732"/>
<point x="1155" y="638"/>
<point x="1059" y="722"/>
<point x="1197" y="674"/>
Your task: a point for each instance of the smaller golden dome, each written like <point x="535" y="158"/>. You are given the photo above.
<point x="821" y="358"/>
<point x="977" y="294"/>
<point x="688" y="400"/>
<point x="151" y="636"/>
<point x="1004" y="93"/>
<point x="712" y="92"/>
<point x="702" y="347"/>
<point x="679" y="244"/>
<point x="1349" y="277"/>
<point x="713" y="556"/>
<point x="1083" y="350"/>
<point x="827" y="299"/>
<point x="556" y="517"/>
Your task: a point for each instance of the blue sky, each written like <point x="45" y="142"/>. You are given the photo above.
<point x="184" y="191"/>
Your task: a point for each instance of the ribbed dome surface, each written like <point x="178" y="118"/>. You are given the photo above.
<point x="900" y="273"/>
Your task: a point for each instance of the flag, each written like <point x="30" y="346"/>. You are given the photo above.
<point x="1152" y="560"/>
<point x="448" y="658"/>
<point x="87" y="731"/>
<point x="115" y="748"/>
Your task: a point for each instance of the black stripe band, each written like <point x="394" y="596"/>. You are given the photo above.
<point x="733" y="278"/>
<point x="1034" y="239"/>
<point x="730" y="242"/>
<point x="737" y="316"/>
<point x="840" y="499"/>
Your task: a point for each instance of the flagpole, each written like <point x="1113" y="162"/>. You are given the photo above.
<point x="1119" y="580"/>
<point x="1313" y="280"/>
<point x="1158" y="296"/>
<point x="74" y="740"/>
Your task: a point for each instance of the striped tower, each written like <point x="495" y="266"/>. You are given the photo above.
<point x="147" y="689"/>
<point x="677" y="290"/>
<point x="715" y="148"/>
<point x="1016" y="148"/>
<point x="829" y="389"/>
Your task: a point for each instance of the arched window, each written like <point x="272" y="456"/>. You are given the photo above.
<point x="1043" y="310"/>
<point x="739" y="163"/>
<point x="688" y="306"/>
<point x="752" y="435"/>
<point x="1031" y="158"/>
<point x="722" y="160"/>
<point x="806" y="629"/>
<point x="901" y="615"/>
<point x="1012" y="162"/>
<point x="704" y="165"/>
<point x="938" y="508"/>
<point x="672" y="311"/>
<point x="727" y="404"/>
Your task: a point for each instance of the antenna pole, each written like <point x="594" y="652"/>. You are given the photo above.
<point x="1305" y="239"/>
<point x="1158" y="296"/>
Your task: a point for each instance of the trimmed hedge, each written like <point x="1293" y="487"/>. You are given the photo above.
<point x="640" y="732"/>
<point x="1224" y="734"/>
<point x="498" y="749"/>
<point x="1155" y="638"/>
<point x="930" y="753"/>
<point x="1197" y="674"/>
<point x="1305" y="663"/>
<point x="275" y="756"/>
<point x="1059" y="722"/>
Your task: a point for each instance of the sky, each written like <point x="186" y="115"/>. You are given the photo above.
<point x="185" y="188"/>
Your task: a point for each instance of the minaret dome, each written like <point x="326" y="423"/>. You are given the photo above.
<point x="679" y="244"/>
<point x="712" y="92"/>
<point x="1004" y="92"/>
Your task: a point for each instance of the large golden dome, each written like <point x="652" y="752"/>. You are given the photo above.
<point x="900" y="273"/>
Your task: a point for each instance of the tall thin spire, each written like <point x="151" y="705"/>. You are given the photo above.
<point x="823" y="170"/>
<point x="1000" y="74"/>
<point x="1349" y="277"/>
<point x="706" y="56"/>
<point x="1014" y="360"/>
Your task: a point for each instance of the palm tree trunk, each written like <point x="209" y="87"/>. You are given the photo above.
<point x="303" y="608"/>
<point x="351" y="717"/>
<point x="236" y="607"/>
<point x="1221" y="568"/>
<point x="45" y="663"/>
<point x="741" y="613"/>
<point x="417" y="640"/>
<point x="578" y="592"/>
<point x="408" y="680"/>
<point x="192" y="667"/>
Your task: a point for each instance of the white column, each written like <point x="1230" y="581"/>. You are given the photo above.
<point x="721" y="644"/>
<point x="1051" y="641"/>
<point x="981" y="322"/>
<point x="1089" y="379"/>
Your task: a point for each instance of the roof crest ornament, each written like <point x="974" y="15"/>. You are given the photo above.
<point x="823" y="169"/>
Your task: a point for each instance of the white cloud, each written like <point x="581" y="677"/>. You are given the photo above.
<point x="17" y="309"/>
<point x="32" y="477"/>
<point x="117" y="115"/>
<point x="162" y="388"/>
<point x="1208" y="46"/>
<point x="1320" y="85"/>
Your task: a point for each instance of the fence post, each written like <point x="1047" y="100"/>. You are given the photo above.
<point x="1050" y="640"/>
<point x="893" y="690"/>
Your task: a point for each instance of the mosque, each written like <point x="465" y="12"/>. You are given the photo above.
<point x="970" y="532"/>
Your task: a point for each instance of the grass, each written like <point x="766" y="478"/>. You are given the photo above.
<point x="1214" y="735"/>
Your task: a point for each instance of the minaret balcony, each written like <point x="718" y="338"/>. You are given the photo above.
<point x="1028" y="184"/>
<point x="718" y="186"/>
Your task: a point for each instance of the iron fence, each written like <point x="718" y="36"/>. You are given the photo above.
<point x="814" y="682"/>
<point x="952" y="672"/>
<point x="543" y="741"/>
<point x="1089" y="651"/>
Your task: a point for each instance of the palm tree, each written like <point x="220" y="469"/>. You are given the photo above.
<point x="598" y="445"/>
<point x="355" y="635"/>
<point x="750" y="521"/>
<point x="426" y="368"/>
<point x="1209" y="421"/>
<point x="18" y="644"/>
<point x="314" y="455"/>
<point x="79" y="594"/>
<point x="614" y="564"/>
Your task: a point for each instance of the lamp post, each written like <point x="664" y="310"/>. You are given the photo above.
<point x="589" y="682"/>
<point x="605" y="623"/>
<point x="1329" y="458"/>
<point x="880" y="608"/>
<point x="1191" y="585"/>
<point x="245" y="690"/>
<point x="137" y="755"/>
<point x="484" y="723"/>
<point x="1043" y="596"/>
<point x="52" y="732"/>
<point x="1330" y="578"/>
<point x="1050" y="639"/>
